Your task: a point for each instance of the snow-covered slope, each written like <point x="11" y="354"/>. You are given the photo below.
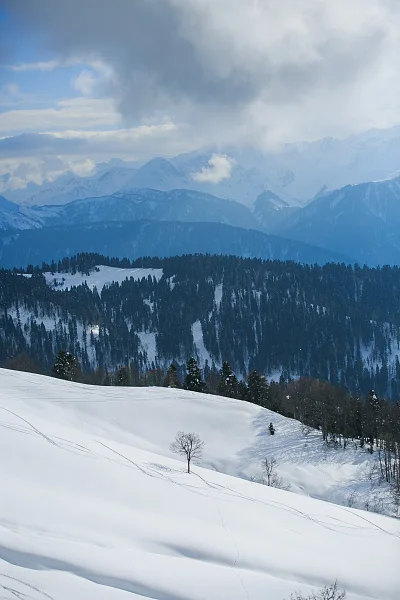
<point x="271" y="211"/>
<point x="363" y="221"/>
<point x="12" y="217"/>
<point x="295" y="172"/>
<point x="94" y="505"/>
<point x="69" y="186"/>
<point x="101" y="276"/>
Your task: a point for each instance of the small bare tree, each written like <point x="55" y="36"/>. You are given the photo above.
<point x="327" y="593"/>
<point x="269" y="465"/>
<point x="273" y="477"/>
<point x="189" y="445"/>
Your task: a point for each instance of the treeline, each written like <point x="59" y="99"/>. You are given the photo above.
<point x="370" y="421"/>
<point x="84" y="263"/>
<point x="335" y="323"/>
<point x="341" y="417"/>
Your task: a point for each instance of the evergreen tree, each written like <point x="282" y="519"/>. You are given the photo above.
<point x="122" y="376"/>
<point x="242" y="391"/>
<point x="258" y="387"/>
<point x="193" y="380"/>
<point x="107" y="379"/>
<point x="65" y="366"/>
<point x="228" y="383"/>
<point x="171" y="379"/>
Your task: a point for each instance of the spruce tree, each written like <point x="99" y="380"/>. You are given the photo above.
<point x="258" y="389"/>
<point x="122" y="376"/>
<point x="193" y="380"/>
<point x="228" y="383"/>
<point x="107" y="379"/>
<point x="65" y="366"/>
<point x="171" y="378"/>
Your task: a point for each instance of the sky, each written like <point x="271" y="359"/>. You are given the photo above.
<point x="82" y="82"/>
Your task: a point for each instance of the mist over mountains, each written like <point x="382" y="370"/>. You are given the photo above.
<point x="295" y="194"/>
<point x="296" y="172"/>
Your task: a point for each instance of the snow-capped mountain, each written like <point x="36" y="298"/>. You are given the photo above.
<point x="95" y="505"/>
<point x="69" y="187"/>
<point x="296" y="173"/>
<point x="137" y="204"/>
<point x="271" y="211"/>
<point x="13" y="216"/>
<point x="158" y="174"/>
<point x="363" y="221"/>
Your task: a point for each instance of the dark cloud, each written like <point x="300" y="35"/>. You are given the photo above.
<point x="213" y="63"/>
<point x="33" y="144"/>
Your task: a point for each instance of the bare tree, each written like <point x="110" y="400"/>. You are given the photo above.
<point x="273" y="478"/>
<point x="327" y="593"/>
<point x="189" y="445"/>
<point x="269" y="465"/>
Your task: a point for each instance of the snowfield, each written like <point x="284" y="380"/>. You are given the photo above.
<point x="95" y="506"/>
<point x="105" y="275"/>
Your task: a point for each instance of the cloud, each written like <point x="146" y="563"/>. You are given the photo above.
<point x="42" y="157"/>
<point x="220" y="168"/>
<point x="11" y="89"/>
<point x="85" y="82"/>
<point x="74" y="113"/>
<point x="260" y="71"/>
<point x="39" y="170"/>
<point x="48" y="65"/>
<point x="134" y="143"/>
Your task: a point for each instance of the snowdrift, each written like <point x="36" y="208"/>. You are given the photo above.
<point x="94" y="505"/>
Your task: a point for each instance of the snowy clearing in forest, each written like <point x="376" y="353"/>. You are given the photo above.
<point x="105" y="275"/>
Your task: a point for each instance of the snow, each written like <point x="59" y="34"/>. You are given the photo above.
<point x="148" y="343"/>
<point x="94" y="505"/>
<point x="198" y="340"/>
<point x="100" y="278"/>
<point x="218" y="294"/>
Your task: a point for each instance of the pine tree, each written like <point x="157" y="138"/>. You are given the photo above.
<point x="228" y="383"/>
<point x="171" y="378"/>
<point x="107" y="379"/>
<point x="193" y="380"/>
<point x="65" y="366"/>
<point x="258" y="389"/>
<point x="122" y="377"/>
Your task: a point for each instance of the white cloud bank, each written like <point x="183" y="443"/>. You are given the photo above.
<point x="220" y="168"/>
<point x="225" y="73"/>
<point x="261" y="71"/>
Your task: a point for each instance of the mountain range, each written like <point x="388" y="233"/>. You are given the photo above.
<point x="358" y="223"/>
<point x="296" y="172"/>
<point x="362" y="221"/>
<point x="153" y="238"/>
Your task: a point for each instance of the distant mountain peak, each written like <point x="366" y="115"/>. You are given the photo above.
<point x="160" y="164"/>
<point x="8" y="206"/>
<point x="269" y="197"/>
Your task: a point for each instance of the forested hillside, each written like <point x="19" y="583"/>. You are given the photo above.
<point x="334" y="322"/>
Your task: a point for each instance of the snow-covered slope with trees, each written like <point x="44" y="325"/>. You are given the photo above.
<point x="99" y="277"/>
<point x="95" y="505"/>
